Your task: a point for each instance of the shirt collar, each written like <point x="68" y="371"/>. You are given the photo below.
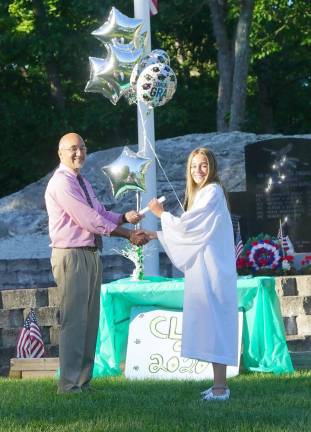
<point x="64" y="167"/>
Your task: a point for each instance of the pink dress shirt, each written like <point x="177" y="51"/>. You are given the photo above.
<point x="72" y="222"/>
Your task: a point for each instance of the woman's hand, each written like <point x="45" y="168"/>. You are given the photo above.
<point x="152" y="235"/>
<point x="155" y="207"/>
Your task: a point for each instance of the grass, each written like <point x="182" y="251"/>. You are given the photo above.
<point x="259" y="402"/>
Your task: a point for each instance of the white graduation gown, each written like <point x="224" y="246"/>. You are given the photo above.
<point x="200" y="243"/>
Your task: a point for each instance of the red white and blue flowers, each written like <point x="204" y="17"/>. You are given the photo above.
<point x="263" y="252"/>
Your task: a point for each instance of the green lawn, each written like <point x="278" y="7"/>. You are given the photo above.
<point x="259" y="402"/>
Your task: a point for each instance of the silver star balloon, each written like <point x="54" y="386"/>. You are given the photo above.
<point x="125" y="42"/>
<point x="120" y="28"/>
<point x="98" y="83"/>
<point x="111" y="76"/>
<point x="127" y="172"/>
<point x="122" y="63"/>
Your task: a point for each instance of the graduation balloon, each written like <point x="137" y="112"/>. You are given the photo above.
<point x="156" y="85"/>
<point x="160" y="55"/>
<point x="127" y="172"/>
<point x="155" y="56"/>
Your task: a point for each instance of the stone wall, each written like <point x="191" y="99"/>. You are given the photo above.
<point x="294" y="294"/>
<point x="36" y="273"/>
<point x="14" y="308"/>
<point x="25" y="273"/>
<point x="295" y="300"/>
<point x="29" y="283"/>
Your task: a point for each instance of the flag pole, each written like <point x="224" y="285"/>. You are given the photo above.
<point x="146" y="138"/>
<point x="281" y="232"/>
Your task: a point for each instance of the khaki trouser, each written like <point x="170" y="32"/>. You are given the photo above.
<point x="78" y="274"/>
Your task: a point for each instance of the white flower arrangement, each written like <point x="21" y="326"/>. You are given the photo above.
<point x="286" y="265"/>
<point x="134" y="254"/>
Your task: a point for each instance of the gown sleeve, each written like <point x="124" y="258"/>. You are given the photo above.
<point x="183" y="237"/>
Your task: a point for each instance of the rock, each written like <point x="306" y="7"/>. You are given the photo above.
<point x="304" y="324"/>
<point x="4" y="231"/>
<point x="23" y="217"/>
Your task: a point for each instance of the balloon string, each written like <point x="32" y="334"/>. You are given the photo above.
<point x="146" y="139"/>
<point x="138" y="207"/>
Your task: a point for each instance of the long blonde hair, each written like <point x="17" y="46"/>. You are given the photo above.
<point x="212" y="176"/>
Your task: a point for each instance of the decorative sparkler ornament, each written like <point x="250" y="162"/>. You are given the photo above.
<point x="134" y="254"/>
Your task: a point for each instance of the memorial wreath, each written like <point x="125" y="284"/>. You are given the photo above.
<point x="261" y="253"/>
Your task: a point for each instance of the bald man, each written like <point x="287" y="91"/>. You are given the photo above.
<point x="77" y="220"/>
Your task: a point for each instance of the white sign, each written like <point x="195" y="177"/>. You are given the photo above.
<point x="154" y="344"/>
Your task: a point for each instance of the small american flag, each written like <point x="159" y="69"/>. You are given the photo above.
<point x="154" y="7"/>
<point x="238" y="243"/>
<point x="286" y="244"/>
<point x="30" y="343"/>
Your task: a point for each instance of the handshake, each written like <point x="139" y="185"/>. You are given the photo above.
<point x="140" y="237"/>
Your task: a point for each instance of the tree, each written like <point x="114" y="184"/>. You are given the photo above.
<point x="49" y="61"/>
<point x="44" y="50"/>
<point x="232" y="58"/>
<point x="279" y="80"/>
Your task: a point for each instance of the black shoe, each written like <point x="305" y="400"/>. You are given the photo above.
<point x="72" y="390"/>
<point x="90" y="389"/>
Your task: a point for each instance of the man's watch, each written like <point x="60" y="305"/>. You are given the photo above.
<point x="124" y="220"/>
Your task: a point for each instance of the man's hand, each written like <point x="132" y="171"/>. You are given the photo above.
<point x="156" y="207"/>
<point x="139" y="237"/>
<point x="132" y="217"/>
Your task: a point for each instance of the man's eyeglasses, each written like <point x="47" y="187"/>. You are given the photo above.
<point x="74" y="149"/>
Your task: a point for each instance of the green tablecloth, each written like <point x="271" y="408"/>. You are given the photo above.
<point x="264" y="343"/>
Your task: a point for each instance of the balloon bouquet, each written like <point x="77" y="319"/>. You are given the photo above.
<point x="128" y="71"/>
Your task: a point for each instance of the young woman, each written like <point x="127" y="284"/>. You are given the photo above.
<point x="201" y="244"/>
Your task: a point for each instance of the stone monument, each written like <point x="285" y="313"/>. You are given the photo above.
<point x="278" y="182"/>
